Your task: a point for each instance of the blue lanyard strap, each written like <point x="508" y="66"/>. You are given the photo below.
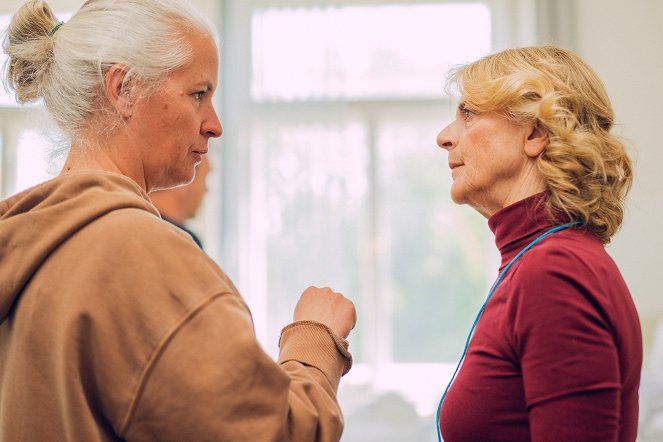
<point x="476" y="320"/>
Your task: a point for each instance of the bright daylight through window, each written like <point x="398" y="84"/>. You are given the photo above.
<point x="348" y="189"/>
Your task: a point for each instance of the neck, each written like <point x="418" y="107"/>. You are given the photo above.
<point x="528" y="183"/>
<point x="108" y="154"/>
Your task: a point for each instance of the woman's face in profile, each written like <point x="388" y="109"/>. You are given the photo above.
<point x="486" y="158"/>
<point x="175" y="123"/>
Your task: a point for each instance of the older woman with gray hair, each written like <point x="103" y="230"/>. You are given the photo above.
<point x="556" y="351"/>
<point x="114" y="325"/>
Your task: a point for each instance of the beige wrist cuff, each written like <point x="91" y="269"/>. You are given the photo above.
<point x="308" y="342"/>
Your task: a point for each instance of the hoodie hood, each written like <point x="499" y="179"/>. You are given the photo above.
<point x="35" y="222"/>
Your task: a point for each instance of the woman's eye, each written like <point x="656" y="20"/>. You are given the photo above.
<point x="199" y="95"/>
<point x="465" y="112"/>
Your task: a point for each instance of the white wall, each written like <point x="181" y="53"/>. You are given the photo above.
<point x="623" y="41"/>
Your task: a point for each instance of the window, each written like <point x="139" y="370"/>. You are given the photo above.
<point x="331" y="177"/>
<point x="362" y="52"/>
<point x="32" y="163"/>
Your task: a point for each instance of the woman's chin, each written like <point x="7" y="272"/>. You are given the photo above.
<point x="457" y="195"/>
<point x="176" y="181"/>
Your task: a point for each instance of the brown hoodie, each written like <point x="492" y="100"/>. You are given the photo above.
<point x="115" y="325"/>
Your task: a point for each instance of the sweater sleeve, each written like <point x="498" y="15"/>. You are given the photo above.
<point x="212" y="381"/>
<point x="570" y="363"/>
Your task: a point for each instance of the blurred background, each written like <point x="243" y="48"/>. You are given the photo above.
<point x="328" y="174"/>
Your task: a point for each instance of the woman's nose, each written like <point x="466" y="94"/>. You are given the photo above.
<point x="212" y="126"/>
<point x="446" y="139"/>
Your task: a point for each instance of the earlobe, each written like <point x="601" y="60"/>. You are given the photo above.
<point x="118" y="90"/>
<point x="536" y="141"/>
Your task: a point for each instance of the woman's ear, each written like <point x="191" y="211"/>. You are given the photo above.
<point x="118" y="90"/>
<point x="536" y="141"/>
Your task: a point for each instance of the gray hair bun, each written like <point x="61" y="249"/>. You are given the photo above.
<point x="30" y="49"/>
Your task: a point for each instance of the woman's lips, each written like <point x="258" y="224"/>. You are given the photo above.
<point x="455" y="167"/>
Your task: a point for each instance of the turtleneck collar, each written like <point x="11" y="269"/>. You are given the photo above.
<point x="517" y="225"/>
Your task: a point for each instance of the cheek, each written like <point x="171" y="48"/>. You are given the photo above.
<point x="175" y="117"/>
<point x="179" y="131"/>
<point x="480" y="151"/>
<point x="479" y="166"/>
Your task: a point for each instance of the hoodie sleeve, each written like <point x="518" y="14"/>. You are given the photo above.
<point x="212" y="381"/>
<point x="176" y="357"/>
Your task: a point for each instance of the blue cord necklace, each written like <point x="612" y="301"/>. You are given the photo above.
<point x="476" y="320"/>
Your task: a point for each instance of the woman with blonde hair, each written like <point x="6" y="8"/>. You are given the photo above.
<point x="114" y="325"/>
<point x="556" y="350"/>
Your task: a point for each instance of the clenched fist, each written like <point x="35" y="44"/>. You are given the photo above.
<point x="327" y="307"/>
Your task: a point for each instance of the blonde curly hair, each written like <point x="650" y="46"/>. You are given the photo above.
<point x="586" y="169"/>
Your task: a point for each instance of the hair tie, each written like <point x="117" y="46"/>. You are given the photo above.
<point x="55" y="28"/>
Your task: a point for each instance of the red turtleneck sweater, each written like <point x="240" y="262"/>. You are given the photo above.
<point x="557" y="353"/>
